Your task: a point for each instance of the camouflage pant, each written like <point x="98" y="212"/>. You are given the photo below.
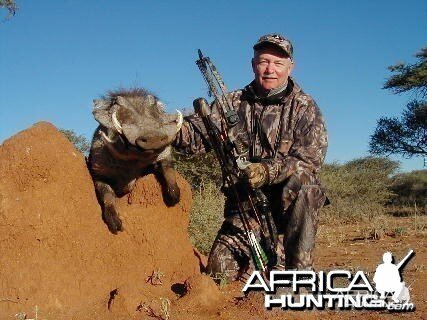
<point x="295" y="205"/>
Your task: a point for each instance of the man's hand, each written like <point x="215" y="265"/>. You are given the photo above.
<point x="257" y="175"/>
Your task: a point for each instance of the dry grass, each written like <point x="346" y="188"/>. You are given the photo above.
<point x="164" y="309"/>
<point x="206" y="216"/>
<point x="155" y="278"/>
<point x="23" y="315"/>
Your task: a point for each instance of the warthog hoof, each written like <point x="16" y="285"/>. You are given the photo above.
<point x="111" y="218"/>
<point x="172" y="196"/>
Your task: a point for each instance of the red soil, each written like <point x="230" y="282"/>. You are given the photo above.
<point x="58" y="255"/>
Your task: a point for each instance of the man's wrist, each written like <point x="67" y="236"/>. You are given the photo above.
<point x="267" y="173"/>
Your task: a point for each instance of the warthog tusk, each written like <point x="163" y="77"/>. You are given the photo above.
<point x="116" y="123"/>
<point x="179" y="119"/>
<point x="106" y="138"/>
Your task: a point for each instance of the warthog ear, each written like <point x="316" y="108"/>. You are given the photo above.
<point x="102" y="112"/>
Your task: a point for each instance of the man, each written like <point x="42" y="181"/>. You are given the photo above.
<point x="287" y="147"/>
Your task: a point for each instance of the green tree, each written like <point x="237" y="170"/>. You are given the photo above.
<point x="409" y="77"/>
<point x="410" y="188"/>
<point x="406" y="135"/>
<point x="10" y="5"/>
<point x="79" y="141"/>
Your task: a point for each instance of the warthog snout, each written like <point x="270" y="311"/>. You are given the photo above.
<point x="158" y="136"/>
<point x="151" y="143"/>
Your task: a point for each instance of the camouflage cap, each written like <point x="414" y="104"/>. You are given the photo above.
<point x="277" y="40"/>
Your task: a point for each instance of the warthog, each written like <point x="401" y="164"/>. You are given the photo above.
<point x="134" y="137"/>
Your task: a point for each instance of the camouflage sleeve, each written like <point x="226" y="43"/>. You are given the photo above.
<point x="305" y="150"/>
<point x="192" y="138"/>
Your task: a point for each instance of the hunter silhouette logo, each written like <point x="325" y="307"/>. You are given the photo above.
<point x="326" y="290"/>
<point x="388" y="278"/>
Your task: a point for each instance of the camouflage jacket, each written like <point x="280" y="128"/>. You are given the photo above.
<point x="299" y="146"/>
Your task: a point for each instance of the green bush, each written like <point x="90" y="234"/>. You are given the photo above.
<point x="358" y="188"/>
<point x="410" y="189"/>
<point x="199" y="170"/>
<point x="80" y="142"/>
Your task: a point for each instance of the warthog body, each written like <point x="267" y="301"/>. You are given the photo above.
<point x="133" y="138"/>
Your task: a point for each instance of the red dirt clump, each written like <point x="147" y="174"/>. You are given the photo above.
<point x="58" y="255"/>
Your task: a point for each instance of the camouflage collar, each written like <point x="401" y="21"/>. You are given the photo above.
<point x="249" y="93"/>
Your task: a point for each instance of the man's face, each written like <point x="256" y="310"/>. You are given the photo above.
<point x="271" y="67"/>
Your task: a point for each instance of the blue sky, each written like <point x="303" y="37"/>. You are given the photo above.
<point x="57" y="56"/>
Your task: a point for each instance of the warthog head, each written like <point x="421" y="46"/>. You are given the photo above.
<point x="138" y="118"/>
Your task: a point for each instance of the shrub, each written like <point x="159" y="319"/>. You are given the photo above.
<point x="410" y="189"/>
<point x="80" y="142"/>
<point x="358" y="188"/>
<point x="204" y="175"/>
<point x="206" y="216"/>
<point x="199" y="170"/>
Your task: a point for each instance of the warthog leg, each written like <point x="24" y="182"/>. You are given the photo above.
<point x="167" y="178"/>
<point x="107" y="199"/>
